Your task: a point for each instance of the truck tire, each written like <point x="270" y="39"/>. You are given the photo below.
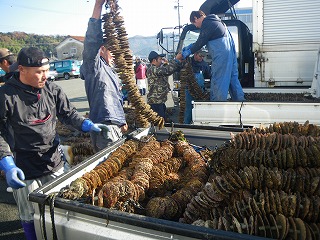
<point x="66" y="76"/>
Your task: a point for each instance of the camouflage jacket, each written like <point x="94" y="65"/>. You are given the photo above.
<point x="158" y="84"/>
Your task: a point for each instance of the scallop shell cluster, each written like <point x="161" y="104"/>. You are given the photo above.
<point x="86" y="185"/>
<point x="138" y="175"/>
<point x="264" y="182"/>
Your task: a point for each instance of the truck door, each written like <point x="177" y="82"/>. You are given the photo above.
<point x="243" y="42"/>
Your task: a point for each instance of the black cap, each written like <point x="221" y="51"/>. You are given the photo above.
<point x="32" y="57"/>
<point x="154" y="55"/>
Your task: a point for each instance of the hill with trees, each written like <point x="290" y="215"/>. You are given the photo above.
<point x="14" y="41"/>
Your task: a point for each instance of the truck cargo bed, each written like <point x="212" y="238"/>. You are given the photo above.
<point x="254" y="114"/>
<point x="76" y="220"/>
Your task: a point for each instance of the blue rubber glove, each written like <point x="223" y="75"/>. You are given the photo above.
<point x="187" y="47"/>
<point x="186" y="53"/>
<point x="88" y="125"/>
<point x="14" y="175"/>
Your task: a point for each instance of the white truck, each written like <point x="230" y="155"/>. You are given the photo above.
<point x="281" y="55"/>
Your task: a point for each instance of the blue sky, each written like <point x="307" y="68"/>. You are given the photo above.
<point x="70" y="17"/>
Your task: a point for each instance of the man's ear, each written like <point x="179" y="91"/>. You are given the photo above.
<point x="5" y="62"/>
<point x="21" y="68"/>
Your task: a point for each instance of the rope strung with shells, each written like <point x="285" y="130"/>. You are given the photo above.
<point x="85" y="185"/>
<point x="117" y="42"/>
<point x="265" y="182"/>
<point x="188" y="81"/>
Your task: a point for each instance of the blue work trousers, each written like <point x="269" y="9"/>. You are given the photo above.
<point x="188" y="110"/>
<point x="224" y="70"/>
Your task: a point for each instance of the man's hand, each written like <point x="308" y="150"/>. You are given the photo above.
<point x="14" y="175"/>
<point x="187" y="47"/>
<point x="179" y="57"/>
<point x="101" y="2"/>
<point x="186" y="53"/>
<point x="98" y="8"/>
<point x="124" y="128"/>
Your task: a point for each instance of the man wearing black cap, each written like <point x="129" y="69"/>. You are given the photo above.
<point x="7" y="60"/>
<point x="158" y="84"/>
<point x="31" y="105"/>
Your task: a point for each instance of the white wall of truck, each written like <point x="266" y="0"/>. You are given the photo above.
<point x="286" y="40"/>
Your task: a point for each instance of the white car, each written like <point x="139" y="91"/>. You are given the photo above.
<point x="52" y="75"/>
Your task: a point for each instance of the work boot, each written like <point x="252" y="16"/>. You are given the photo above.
<point x="29" y="230"/>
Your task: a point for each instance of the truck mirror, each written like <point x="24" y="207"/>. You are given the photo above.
<point x="160" y="36"/>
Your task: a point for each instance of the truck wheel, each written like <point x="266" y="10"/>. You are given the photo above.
<point x="66" y="76"/>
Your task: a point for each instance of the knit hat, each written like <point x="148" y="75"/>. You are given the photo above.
<point x="4" y="52"/>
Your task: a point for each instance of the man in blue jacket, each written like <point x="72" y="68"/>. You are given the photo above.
<point x="102" y="84"/>
<point x="224" y="68"/>
<point x="30" y="106"/>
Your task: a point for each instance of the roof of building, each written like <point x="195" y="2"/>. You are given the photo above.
<point x="79" y="38"/>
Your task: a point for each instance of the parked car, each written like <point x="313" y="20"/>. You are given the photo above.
<point x="53" y="74"/>
<point x="66" y="68"/>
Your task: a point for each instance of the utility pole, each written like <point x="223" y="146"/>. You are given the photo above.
<point x="178" y="7"/>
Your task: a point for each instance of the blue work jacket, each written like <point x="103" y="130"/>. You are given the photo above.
<point x="102" y="84"/>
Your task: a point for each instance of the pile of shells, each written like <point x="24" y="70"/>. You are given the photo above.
<point x="132" y="183"/>
<point x="79" y="142"/>
<point x="86" y="185"/>
<point x="144" y="173"/>
<point x="280" y="97"/>
<point x="192" y="178"/>
<point x="116" y="41"/>
<point x="264" y="182"/>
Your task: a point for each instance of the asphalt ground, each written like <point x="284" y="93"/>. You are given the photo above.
<point x="10" y="226"/>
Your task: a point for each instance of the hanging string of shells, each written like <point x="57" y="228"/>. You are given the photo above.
<point x="188" y="81"/>
<point x="117" y="42"/>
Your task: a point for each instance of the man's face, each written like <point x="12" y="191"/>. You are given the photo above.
<point x="4" y="65"/>
<point x="198" y="22"/>
<point x="34" y="76"/>
<point x="158" y="61"/>
<point x="198" y="57"/>
<point x="107" y="55"/>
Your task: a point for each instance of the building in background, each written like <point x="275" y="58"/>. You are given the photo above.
<point x="70" y="48"/>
